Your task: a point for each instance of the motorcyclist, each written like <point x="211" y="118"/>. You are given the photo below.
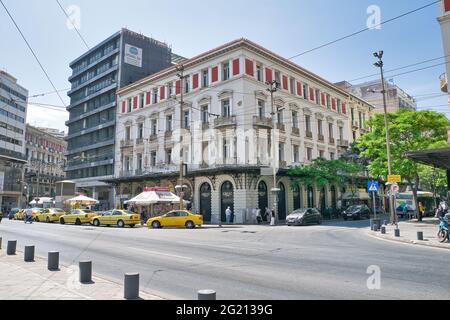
<point x="442" y="209"/>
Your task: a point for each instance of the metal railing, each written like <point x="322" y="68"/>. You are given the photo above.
<point x="262" y="121"/>
<point x="309" y="134"/>
<point x="225" y="121"/>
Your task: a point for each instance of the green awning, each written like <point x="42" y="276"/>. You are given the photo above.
<point x="439" y="158"/>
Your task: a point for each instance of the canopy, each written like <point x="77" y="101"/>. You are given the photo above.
<point x="153" y="196"/>
<point x="41" y="200"/>
<point x="81" y="200"/>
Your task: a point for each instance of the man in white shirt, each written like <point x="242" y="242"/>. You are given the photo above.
<point x="228" y="214"/>
<point x="29" y="215"/>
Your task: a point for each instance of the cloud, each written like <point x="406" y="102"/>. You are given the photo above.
<point x="44" y="117"/>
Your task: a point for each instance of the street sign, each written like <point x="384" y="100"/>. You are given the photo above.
<point x="394" y="178"/>
<point x="372" y="186"/>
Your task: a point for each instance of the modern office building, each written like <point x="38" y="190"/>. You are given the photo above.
<point x="371" y="92"/>
<point x="46" y="161"/>
<point x="444" y="22"/>
<point x="227" y="131"/>
<point x="13" y="113"/>
<point x="117" y="61"/>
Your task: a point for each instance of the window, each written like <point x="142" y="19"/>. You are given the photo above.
<point x="140" y="131"/>
<point x="205" y="78"/>
<point x="141" y="101"/>
<point x="187" y="84"/>
<point x="341" y="133"/>
<point x="332" y="155"/>
<point x="169" y="156"/>
<point x="296" y="153"/>
<point x="129" y="103"/>
<point x="153" y="158"/>
<point x="319" y="126"/>
<point x="309" y="154"/>
<point x="170" y="89"/>
<point x="279" y="116"/>
<point x="154" y="127"/>
<point x="127" y="133"/>
<point x="155" y="95"/>
<point x="169" y="123"/>
<point x="360" y="119"/>
<point x="305" y="91"/>
<point x="292" y="85"/>
<point x="226" y="148"/>
<point x="205" y="114"/>
<point x="225" y="71"/>
<point x="353" y="114"/>
<point x="308" y="123"/>
<point x="259" y="72"/>
<point x="127" y="163"/>
<point x="278" y="77"/>
<point x="363" y="124"/>
<point x="226" y="112"/>
<point x="318" y="96"/>
<point x="139" y="161"/>
<point x="295" y="119"/>
<point x="186" y="119"/>
<point x="261" y="108"/>
<point x="281" y="151"/>
<point x="339" y="105"/>
<point x="328" y="101"/>
<point x="321" y="154"/>
<point x="330" y="131"/>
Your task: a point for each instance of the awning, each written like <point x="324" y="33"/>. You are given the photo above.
<point x="440" y="158"/>
<point x="42" y="200"/>
<point x="81" y="200"/>
<point x="153" y="196"/>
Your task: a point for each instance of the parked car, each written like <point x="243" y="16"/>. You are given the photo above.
<point x="357" y="212"/>
<point x="120" y="218"/>
<point x="12" y="213"/>
<point x="176" y="218"/>
<point x="36" y="213"/>
<point x="19" y="214"/>
<point x="51" y="215"/>
<point x="78" y="216"/>
<point x="304" y="216"/>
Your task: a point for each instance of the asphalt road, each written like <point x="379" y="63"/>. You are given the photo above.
<point x="248" y="262"/>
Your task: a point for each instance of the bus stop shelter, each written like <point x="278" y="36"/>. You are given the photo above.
<point x="439" y="158"/>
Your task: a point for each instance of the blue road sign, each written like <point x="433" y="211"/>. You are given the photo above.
<point x="372" y="186"/>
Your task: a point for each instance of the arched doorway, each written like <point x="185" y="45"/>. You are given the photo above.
<point x="310" y="196"/>
<point x="205" y="201"/>
<point x="282" y="202"/>
<point x="333" y="198"/>
<point x="263" y="198"/>
<point x="297" y="197"/>
<point x="226" y="199"/>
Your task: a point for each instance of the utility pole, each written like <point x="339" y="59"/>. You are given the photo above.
<point x="273" y="87"/>
<point x="182" y="77"/>
<point x="380" y="64"/>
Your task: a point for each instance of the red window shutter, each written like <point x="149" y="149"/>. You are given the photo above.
<point x="178" y="87"/>
<point x="215" y="74"/>
<point x="135" y="102"/>
<point x="162" y="93"/>
<point x="285" y="82"/>
<point x="344" y="108"/>
<point x="323" y="98"/>
<point x="269" y="77"/>
<point x="195" y="81"/>
<point x="148" y="98"/>
<point x="299" y="88"/>
<point x="236" y="70"/>
<point x="447" y="5"/>
<point x="311" y="94"/>
<point x="249" y="67"/>
<point x="124" y="106"/>
<point x="333" y="103"/>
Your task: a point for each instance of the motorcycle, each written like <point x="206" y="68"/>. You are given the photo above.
<point x="443" y="214"/>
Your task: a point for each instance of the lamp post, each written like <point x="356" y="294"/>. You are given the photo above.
<point x="380" y="64"/>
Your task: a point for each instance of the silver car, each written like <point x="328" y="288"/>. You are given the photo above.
<point x="304" y="216"/>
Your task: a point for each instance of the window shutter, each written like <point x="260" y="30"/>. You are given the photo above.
<point x="178" y="87"/>
<point x="311" y="94"/>
<point x="148" y="98"/>
<point x="299" y="88"/>
<point x="344" y="108"/>
<point x="124" y="106"/>
<point x="135" y="102"/>
<point x="269" y="77"/>
<point x="162" y="93"/>
<point x="285" y="82"/>
<point x="195" y="81"/>
<point x="236" y="70"/>
<point x="323" y="98"/>
<point x="249" y="67"/>
<point x="333" y="103"/>
<point x="447" y="5"/>
<point x="215" y="74"/>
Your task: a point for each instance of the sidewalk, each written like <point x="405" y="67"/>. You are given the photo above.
<point x="408" y="233"/>
<point x="32" y="281"/>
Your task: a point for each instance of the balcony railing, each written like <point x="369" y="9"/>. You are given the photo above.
<point x="168" y="134"/>
<point x="343" y="143"/>
<point x="262" y="122"/>
<point x="296" y="131"/>
<point x="281" y="127"/>
<point x="331" y="141"/>
<point x="126" y="173"/>
<point x="225" y="122"/>
<point x="320" y="137"/>
<point x="283" y="164"/>
<point x="153" y="137"/>
<point x="139" y="141"/>
<point x="309" y="134"/>
<point x="205" y="125"/>
<point x="355" y="125"/>
<point x="126" y="143"/>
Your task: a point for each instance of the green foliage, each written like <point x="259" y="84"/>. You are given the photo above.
<point x="432" y="179"/>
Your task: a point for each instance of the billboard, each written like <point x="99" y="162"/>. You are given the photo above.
<point x="133" y="55"/>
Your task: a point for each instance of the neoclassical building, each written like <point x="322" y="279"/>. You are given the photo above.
<point x="224" y="131"/>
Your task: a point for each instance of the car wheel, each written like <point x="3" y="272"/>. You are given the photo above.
<point x="190" y="225"/>
<point x="442" y="235"/>
<point x="96" y="223"/>
<point x="78" y="222"/>
<point x="120" y="224"/>
<point x="62" y="221"/>
<point x="47" y="220"/>
<point x="36" y="219"/>
<point x="156" y="225"/>
<point x="132" y="225"/>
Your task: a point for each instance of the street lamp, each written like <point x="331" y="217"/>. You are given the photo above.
<point x="380" y="64"/>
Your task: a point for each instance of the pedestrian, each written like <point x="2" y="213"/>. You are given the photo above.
<point x="228" y="213"/>
<point x="143" y="216"/>
<point x="29" y="215"/>
<point x="258" y="216"/>
<point x="268" y="214"/>
<point x="272" y="218"/>
<point x="421" y="211"/>
<point x="1" y="216"/>
<point x="254" y="215"/>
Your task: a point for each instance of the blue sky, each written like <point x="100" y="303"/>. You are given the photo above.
<point x="286" y="27"/>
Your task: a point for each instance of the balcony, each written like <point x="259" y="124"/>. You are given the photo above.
<point x="331" y="141"/>
<point x="262" y="122"/>
<point x="343" y="143"/>
<point x="126" y="173"/>
<point x="168" y="134"/>
<point x="126" y="143"/>
<point x="443" y="82"/>
<point x="355" y="125"/>
<point x="296" y="131"/>
<point x="321" y="138"/>
<point x="309" y="134"/>
<point x="139" y="141"/>
<point x="283" y="164"/>
<point x="153" y="137"/>
<point x="225" y="122"/>
<point x="205" y="125"/>
<point x="281" y="127"/>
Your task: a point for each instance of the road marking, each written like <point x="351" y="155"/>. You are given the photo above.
<point x="161" y="253"/>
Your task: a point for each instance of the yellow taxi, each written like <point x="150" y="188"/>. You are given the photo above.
<point x="51" y="215"/>
<point x="19" y="214"/>
<point x="120" y="218"/>
<point x="36" y="212"/>
<point x="176" y="218"/>
<point x="78" y="216"/>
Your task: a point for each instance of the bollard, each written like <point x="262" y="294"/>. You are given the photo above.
<point x="11" y="248"/>
<point x="29" y="254"/>
<point x="383" y="230"/>
<point x="206" y="295"/>
<point x="420" y="235"/>
<point x="397" y="232"/>
<point x="85" y="271"/>
<point x="53" y="261"/>
<point x="131" y="286"/>
<point x="385" y="222"/>
<point x="375" y="227"/>
<point x="0" y="242"/>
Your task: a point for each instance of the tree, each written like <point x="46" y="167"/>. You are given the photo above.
<point x="409" y="131"/>
<point x="434" y="180"/>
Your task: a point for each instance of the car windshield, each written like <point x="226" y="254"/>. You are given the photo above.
<point x="354" y="208"/>
<point x="57" y="210"/>
<point x="300" y="211"/>
<point x="87" y="211"/>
